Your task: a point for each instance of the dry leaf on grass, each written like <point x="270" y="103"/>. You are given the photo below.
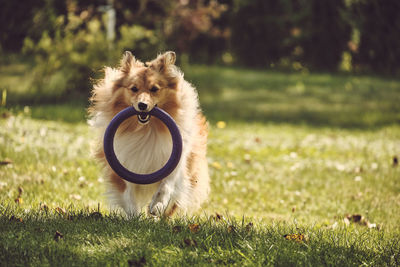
<point x="60" y="210"/>
<point x="249" y="226"/>
<point x="15" y="219"/>
<point x="5" y="115"/>
<point x="231" y="229"/>
<point x="194" y="228"/>
<point x="295" y="237"/>
<point x="6" y="161"/>
<point x="96" y="215"/>
<point x="44" y="207"/>
<point x="218" y="217"/>
<point x="140" y="262"/>
<point x="58" y="236"/>
<point x="177" y="229"/>
<point x="395" y="161"/>
<point x="358" y="219"/>
<point x="190" y="242"/>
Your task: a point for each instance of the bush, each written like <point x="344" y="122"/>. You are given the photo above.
<point x="78" y="50"/>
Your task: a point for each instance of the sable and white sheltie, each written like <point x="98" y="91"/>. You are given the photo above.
<point x="143" y="144"/>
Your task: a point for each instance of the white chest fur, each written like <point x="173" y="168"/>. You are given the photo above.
<point x="143" y="151"/>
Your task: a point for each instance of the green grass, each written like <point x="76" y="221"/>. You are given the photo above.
<point x="298" y="153"/>
<point x="298" y="98"/>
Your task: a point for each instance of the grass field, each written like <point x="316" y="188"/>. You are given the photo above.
<point x="289" y="153"/>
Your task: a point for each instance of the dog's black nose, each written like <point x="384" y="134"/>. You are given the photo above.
<point x="142" y="106"/>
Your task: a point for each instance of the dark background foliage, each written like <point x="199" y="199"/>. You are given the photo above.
<point x="66" y="40"/>
<point x="257" y="32"/>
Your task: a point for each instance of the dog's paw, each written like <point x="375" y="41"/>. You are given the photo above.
<point x="157" y="209"/>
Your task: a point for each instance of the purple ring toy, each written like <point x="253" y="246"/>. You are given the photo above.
<point x="142" y="178"/>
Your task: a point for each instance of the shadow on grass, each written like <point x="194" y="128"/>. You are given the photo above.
<point x="112" y="240"/>
<point x="314" y="99"/>
<point x="243" y="95"/>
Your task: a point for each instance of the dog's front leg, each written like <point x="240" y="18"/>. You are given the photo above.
<point x="129" y="203"/>
<point x="165" y="195"/>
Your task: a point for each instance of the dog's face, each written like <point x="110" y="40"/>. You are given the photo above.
<point x="146" y="86"/>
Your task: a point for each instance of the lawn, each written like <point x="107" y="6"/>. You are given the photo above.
<point x="289" y="153"/>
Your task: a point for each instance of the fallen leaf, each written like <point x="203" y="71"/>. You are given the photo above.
<point x="395" y="161"/>
<point x="355" y="218"/>
<point x="190" y="242"/>
<point x="44" y="207"/>
<point x="137" y="263"/>
<point x="20" y="191"/>
<point x="231" y="228"/>
<point x="194" y="228"/>
<point x="96" y="215"/>
<point x="295" y="237"/>
<point x="359" y="219"/>
<point x="249" y="226"/>
<point x="218" y="216"/>
<point x="15" y="219"/>
<point x="19" y="200"/>
<point x="58" y="236"/>
<point x="5" y="115"/>
<point x="6" y="161"/>
<point x="177" y="229"/>
<point x="60" y="210"/>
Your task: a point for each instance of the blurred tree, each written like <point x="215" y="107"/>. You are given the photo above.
<point x="186" y="26"/>
<point x="326" y="34"/>
<point x="260" y="29"/>
<point x="266" y="32"/>
<point x="261" y="33"/>
<point x="379" y="25"/>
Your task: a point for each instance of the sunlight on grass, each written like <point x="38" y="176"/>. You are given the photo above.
<point x="275" y="172"/>
<point x="288" y="154"/>
<point x="314" y="99"/>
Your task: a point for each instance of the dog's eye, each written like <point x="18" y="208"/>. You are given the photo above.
<point x="154" y="89"/>
<point x="134" y="89"/>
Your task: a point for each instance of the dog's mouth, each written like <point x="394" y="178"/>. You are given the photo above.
<point x="144" y="118"/>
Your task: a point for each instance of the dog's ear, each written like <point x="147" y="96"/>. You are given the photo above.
<point x="127" y="62"/>
<point x="163" y="61"/>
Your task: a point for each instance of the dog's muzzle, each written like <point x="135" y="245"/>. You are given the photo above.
<point x="144" y="118"/>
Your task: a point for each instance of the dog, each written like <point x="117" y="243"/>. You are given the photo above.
<point x="143" y="144"/>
